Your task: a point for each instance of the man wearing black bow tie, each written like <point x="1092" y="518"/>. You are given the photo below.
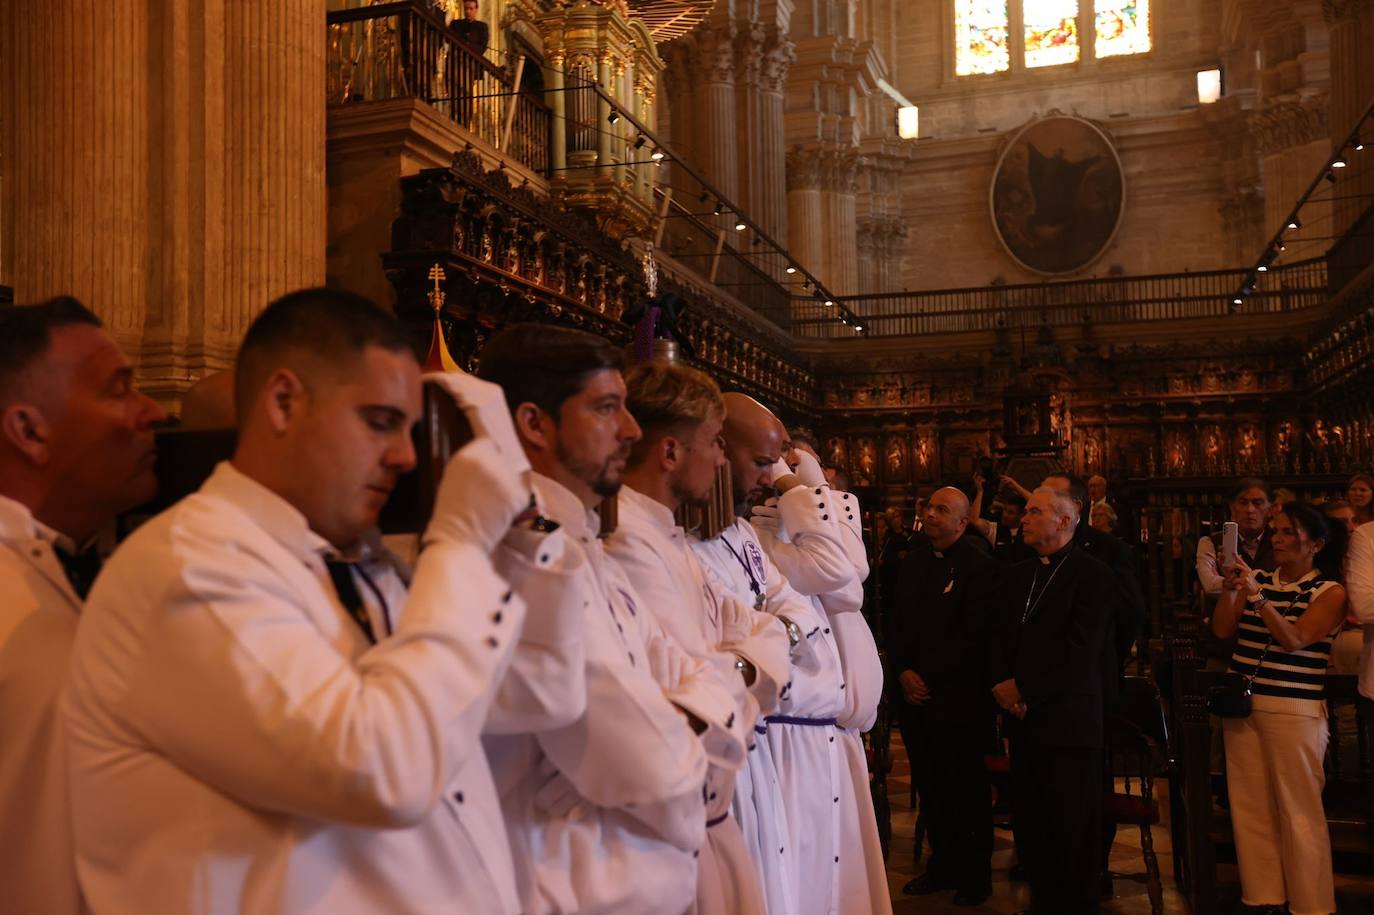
<point x="1047" y="671"/>
<point x="76" y="449"/>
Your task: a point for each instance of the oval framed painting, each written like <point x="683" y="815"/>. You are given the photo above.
<point x="1058" y="194"/>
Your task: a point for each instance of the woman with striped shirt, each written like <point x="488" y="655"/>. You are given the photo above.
<point x="1285" y="621"/>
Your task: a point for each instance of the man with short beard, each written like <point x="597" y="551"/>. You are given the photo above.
<point x="76" y="449"/>
<point x="605" y="814"/>
<point x="800" y="842"/>
<point x="681" y="410"/>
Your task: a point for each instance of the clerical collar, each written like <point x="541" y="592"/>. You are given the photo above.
<point x="1058" y="555"/>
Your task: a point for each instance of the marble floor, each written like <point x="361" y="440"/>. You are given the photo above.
<point x="1354" y="894"/>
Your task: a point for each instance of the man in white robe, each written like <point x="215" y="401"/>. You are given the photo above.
<point x="256" y="728"/>
<point x="680" y="411"/>
<point x="810" y="534"/>
<point x="605" y="814"/>
<point x="76" y="449"/>
<point x="798" y="748"/>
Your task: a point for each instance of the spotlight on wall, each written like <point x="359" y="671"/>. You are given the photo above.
<point x="657" y="155"/>
<point x="1208" y="86"/>
<point x="791" y="269"/>
<point x="829" y="303"/>
<point x="1262" y="268"/>
<point x="1330" y="176"/>
<point x="1338" y="162"/>
<point x="640" y="141"/>
<point x="1359" y="145"/>
<point x="1283" y="246"/>
<point x="909" y="122"/>
<point x="613" y="117"/>
<point x="720" y="208"/>
<point x="1237" y="300"/>
<point x="1295" y="223"/>
<point x="740" y="227"/>
<point x="858" y="328"/>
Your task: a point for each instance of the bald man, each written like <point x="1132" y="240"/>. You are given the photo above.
<point x="796" y="774"/>
<point x="806" y="533"/>
<point x="945" y="602"/>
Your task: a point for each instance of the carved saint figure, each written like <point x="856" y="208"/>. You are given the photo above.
<point x="868" y="459"/>
<point x="839" y="454"/>
<point x="896" y="456"/>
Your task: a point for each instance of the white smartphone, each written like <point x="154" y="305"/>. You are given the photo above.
<point x="1230" y="541"/>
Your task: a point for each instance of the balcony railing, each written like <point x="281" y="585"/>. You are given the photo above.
<point x="1166" y="297"/>
<point x="404" y="50"/>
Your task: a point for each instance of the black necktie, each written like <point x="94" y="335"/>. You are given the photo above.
<point x="81" y="568"/>
<point x="341" y="573"/>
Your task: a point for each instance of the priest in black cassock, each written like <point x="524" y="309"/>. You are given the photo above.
<point x="1048" y="674"/>
<point x="945" y="606"/>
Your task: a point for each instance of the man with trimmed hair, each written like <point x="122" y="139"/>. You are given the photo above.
<point x="1046" y="668"/>
<point x="260" y="720"/>
<point x="605" y="813"/>
<point x="76" y="450"/>
<point x="674" y="465"/>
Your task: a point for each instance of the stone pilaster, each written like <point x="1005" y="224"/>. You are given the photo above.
<point x="168" y="163"/>
<point x="805" y="219"/>
<point x="1293" y="141"/>
<point x="778" y="55"/>
<point x="839" y="198"/>
<point x="1351" y="24"/>
<point x="714" y="74"/>
<point x="749" y="127"/>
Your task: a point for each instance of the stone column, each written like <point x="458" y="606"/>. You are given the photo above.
<point x="76" y="100"/>
<point x="1351" y="25"/>
<point x="714" y="73"/>
<point x="868" y="246"/>
<point x="841" y="218"/>
<point x="749" y="125"/>
<point x="805" y="215"/>
<point x="772" y="159"/>
<point x="168" y="162"/>
<point x="274" y="128"/>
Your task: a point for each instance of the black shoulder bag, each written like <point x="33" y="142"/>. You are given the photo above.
<point x="1231" y="699"/>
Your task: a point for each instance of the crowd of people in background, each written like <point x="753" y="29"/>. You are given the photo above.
<point x="963" y="606"/>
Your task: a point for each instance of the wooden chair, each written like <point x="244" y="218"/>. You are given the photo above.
<point x="1138" y="753"/>
<point x="878" y="750"/>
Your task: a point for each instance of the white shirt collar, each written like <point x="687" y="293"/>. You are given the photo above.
<point x="278" y="518"/>
<point x="660" y="514"/>
<point x="559" y="503"/>
<point x="17" y="522"/>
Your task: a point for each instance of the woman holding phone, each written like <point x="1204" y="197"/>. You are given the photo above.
<point x="1284" y="621"/>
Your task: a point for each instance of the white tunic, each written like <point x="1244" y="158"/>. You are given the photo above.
<point x="655" y="554"/>
<point x="237" y="745"/>
<point x="38" y="617"/>
<point x="808" y="544"/>
<point x="795" y="768"/>
<point x="605" y="813"/>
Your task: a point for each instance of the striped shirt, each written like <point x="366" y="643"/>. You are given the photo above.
<point x="1284" y="674"/>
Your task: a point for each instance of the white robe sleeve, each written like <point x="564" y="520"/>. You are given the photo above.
<point x="269" y="712"/>
<point x="850" y="517"/>
<point x="812" y="555"/>
<point x="1359" y="573"/>
<point x="545" y="685"/>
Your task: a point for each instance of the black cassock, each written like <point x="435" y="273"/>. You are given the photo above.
<point x="1052" y="642"/>
<point x="945" y="607"/>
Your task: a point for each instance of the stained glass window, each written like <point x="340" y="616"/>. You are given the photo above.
<point x="980" y="37"/>
<point x="1051" y="32"/>
<point x="1123" y="27"/>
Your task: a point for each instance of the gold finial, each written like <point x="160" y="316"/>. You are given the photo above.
<point x="437" y="295"/>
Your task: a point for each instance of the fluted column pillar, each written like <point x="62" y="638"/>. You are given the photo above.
<point x="772" y="159"/>
<point x="805" y="215"/>
<point x="749" y="126"/>
<point x="868" y="246"/>
<point x="76" y="98"/>
<point x="274" y="132"/>
<point x="841" y="219"/>
<point x="1351" y="24"/>
<point x="715" y="106"/>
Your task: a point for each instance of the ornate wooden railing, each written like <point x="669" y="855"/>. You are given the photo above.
<point x="1111" y="300"/>
<point x="404" y="50"/>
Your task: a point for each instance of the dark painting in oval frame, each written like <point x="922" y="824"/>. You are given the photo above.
<point x="1057" y="195"/>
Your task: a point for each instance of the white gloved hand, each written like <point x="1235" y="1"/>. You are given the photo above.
<point x="778" y="471"/>
<point x="665" y="664"/>
<point x="736" y="621"/>
<point x="808" y="468"/>
<point x="765" y="517"/>
<point x="479" y="496"/>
